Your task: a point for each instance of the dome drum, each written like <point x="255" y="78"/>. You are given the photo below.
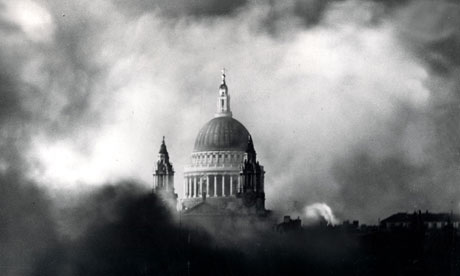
<point x="209" y="160"/>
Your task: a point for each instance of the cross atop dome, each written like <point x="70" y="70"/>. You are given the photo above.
<point x="223" y="75"/>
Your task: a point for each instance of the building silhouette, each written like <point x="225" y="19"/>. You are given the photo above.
<point x="426" y="220"/>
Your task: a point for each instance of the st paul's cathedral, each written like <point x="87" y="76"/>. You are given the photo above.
<point x="224" y="177"/>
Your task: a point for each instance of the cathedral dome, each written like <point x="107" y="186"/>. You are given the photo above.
<point x="223" y="166"/>
<point x="222" y="134"/>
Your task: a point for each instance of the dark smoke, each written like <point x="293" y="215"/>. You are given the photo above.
<point x="123" y="229"/>
<point x="127" y="231"/>
<point x="28" y="227"/>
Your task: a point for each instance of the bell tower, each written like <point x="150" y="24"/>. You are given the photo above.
<point x="163" y="175"/>
<point x="251" y="189"/>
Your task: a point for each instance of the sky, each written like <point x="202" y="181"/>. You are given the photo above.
<point x="352" y="105"/>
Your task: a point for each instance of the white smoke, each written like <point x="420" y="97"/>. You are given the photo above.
<point x="351" y="95"/>
<point x="320" y="211"/>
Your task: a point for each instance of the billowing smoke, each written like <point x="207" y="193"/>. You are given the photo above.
<point x="319" y="212"/>
<point x="354" y="103"/>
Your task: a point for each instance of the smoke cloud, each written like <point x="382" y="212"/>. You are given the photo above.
<point x="320" y="211"/>
<point x="351" y="103"/>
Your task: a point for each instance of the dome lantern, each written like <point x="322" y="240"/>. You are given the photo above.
<point x="223" y="101"/>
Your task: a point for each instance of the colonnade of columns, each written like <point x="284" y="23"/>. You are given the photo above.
<point x="217" y="159"/>
<point x="214" y="185"/>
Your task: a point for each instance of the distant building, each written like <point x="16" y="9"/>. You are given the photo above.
<point x="289" y="225"/>
<point x="420" y="219"/>
<point x="350" y="225"/>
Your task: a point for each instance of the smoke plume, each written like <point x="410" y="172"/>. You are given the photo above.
<point x="320" y="212"/>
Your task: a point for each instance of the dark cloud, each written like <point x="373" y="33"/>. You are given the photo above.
<point x="179" y="8"/>
<point x="10" y="105"/>
<point x="369" y="186"/>
<point x="429" y="28"/>
<point x="27" y="231"/>
<point x="49" y="88"/>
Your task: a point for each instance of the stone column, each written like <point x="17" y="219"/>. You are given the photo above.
<point x="194" y="186"/>
<point x="231" y="184"/>
<point x="187" y="190"/>
<point x="223" y="185"/>
<point x="201" y="186"/>
<point x="207" y="185"/>
<point x="215" y="185"/>
<point x="239" y="184"/>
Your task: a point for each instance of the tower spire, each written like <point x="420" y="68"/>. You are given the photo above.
<point x="250" y="148"/>
<point x="163" y="171"/>
<point x="223" y="101"/>
<point x="163" y="149"/>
